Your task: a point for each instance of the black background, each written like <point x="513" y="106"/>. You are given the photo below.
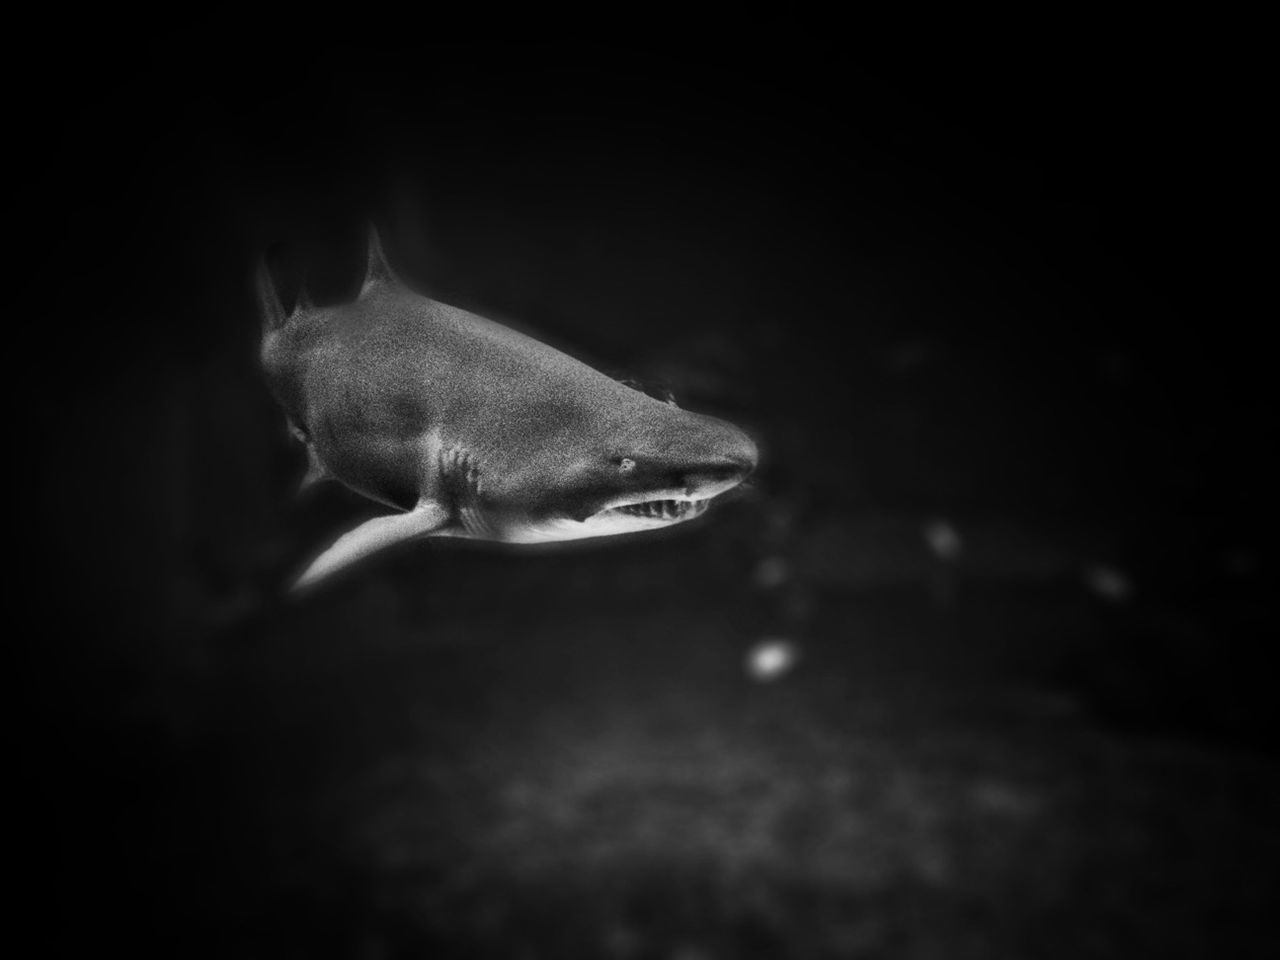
<point x="1003" y="289"/>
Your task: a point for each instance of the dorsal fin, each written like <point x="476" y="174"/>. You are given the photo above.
<point x="377" y="269"/>
<point x="303" y="303"/>
<point x="273" y="315"/>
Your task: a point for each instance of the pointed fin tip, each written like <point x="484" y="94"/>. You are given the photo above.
<point x="376" y="268"/>
<point x="269" y="305"/>
<point x="304" y="302"/>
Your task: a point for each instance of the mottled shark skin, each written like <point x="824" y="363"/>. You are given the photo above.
<point x="470" y="429"/>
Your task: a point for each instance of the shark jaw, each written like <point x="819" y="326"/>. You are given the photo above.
<point x="635" y="516"/>
<point x="515" y="510"/>
<point x="670" y="510"/>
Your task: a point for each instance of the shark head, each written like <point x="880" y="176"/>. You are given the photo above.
<point x="606" y="466"/>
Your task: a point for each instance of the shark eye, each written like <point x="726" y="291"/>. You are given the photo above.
<point x="626" y="464"/>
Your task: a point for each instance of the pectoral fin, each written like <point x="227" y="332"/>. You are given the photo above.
<point x="371" y="536"/>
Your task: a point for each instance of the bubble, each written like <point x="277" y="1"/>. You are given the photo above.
<point x="943" y="539"/>
<point x="770" y="659"/>
<point x="1108" y="583"/>
<point x="771" y="572"/>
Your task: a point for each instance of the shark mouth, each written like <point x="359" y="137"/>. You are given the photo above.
<point x="663" y="509"/>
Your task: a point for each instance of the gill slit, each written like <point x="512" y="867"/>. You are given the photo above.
<point x="463" y="483"/>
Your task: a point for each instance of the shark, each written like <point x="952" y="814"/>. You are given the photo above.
<point x="465" y="427"/>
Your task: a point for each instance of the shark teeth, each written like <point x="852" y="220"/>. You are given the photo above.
<point x="664" y="509"/>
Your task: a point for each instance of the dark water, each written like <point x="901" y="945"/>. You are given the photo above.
<point x="1008" y="521"/>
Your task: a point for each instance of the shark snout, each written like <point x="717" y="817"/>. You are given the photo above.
<point x="710" y="481"/>
<point x="732" y="463"/>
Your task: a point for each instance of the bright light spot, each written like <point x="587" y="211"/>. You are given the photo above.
<point x="770" y="659"/>
<point x="943" y="539"/>
<point x="1108" y="583"/>
<point x="771" y="572"/>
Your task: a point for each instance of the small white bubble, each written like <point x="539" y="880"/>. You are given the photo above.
<point x="1108" y="583"/>
<point x="1003" y="799"/>
<point x="771" y="572"/>
<point x="943" y="539"/>
<point x="770" y="659"/>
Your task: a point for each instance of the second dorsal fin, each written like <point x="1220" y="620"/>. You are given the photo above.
<point x="304" y="302"/>
<point x="269" y="306"/>
<point x="377" y="270"/>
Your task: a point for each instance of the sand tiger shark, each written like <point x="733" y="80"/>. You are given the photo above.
<point x="468" y="428"/>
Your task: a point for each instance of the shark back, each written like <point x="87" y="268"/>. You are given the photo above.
<point x="378" y="383"/>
